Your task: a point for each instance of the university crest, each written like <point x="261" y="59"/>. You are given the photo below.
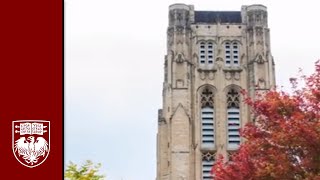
<point x="31" y="141"/>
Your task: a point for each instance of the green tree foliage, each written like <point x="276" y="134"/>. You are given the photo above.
<point x="87" y="171"/>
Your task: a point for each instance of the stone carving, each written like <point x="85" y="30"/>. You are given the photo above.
<point x="207" y="98"/>
<point x="202" y="75"/>
<point x="219" y="62"/>
<point x="259" y="31"/>
<point x="232" y="75"/>
<point x="179" y="42"/>
<point x="236" y="75"/>
<point x="228" y="75"/>
<point x="261" y="83"/>
<point x="211" y="75"/>
<point x="208" y="156"/>
<point x="207" y="75"/>
<point x="179" y="58"/>
<point x="180" y="83"/>
<point x="233" y="99"/>
<point x="179" y="29"/>
<point x="259" y="59"/>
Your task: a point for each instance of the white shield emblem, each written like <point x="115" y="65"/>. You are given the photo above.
<point x="31" y="141"/>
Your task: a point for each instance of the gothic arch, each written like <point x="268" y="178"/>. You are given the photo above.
<point x="200" y="41"/>
<point x="206" y="41"/>
<point x="237" y="89"/>
<point x="202" y="87"/>
<point x="231" y="41"/>
<point x="207" y="122"/>
<point x="232" y="86"/>
<point x="233" y="116"/>
<point x="211" y="41"/>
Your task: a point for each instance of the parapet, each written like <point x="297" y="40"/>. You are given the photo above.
<point x="256" y="7"/>
<point x="179" y="6"/>
<point x="180" y="15"/>
<point x="255" y="15"/>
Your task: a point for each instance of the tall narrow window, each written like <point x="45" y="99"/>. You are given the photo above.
<point x="208" y="160"/>
<point x="235" y="53"/>
<point x="206" y="53"/>
<point x="231" y="54"/>
<point x="228" y="53"/>
<point x="207" y="119"/>
<point x="202" y="53"/>
<point x="210" y="53"/>
<point x="233" y="119"/>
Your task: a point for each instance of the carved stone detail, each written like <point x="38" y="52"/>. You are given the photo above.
<point x="233" y="99"/>
<point x="207" y="74"/>
<point x="259" y="59"/>
<point x="202" y="75"/>
<point x="179" y="58"/>
<point x="211" y="75"/>
<point x="207" y="98"/>
<point x="232" y="75"/>
<point x="208" y="156"/>
<point x="261" y="84"/>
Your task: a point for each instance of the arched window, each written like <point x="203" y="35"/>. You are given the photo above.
<point x="231" y="54"/>
<point x="233" y="119"/>
<point x="207" y="119"/>
<point x="208" y="160"/>
<point x="202" y="53"/>
<point x="235" y="53"/>
<point x="206" y="53"/>
<point x="228" y="53"/>
<point x="210" y="53"/>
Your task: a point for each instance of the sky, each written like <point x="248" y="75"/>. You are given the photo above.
<point x="114" y="55"/>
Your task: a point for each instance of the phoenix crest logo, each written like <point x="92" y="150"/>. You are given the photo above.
<point x="30" y="141"/>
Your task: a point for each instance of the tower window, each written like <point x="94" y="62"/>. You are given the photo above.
<point x="232" y="54"/>
<point x="233" y="119"/>
<point x="206" y="53"/>
<point x="208" y="160"/>
<point x="207" y="119"/>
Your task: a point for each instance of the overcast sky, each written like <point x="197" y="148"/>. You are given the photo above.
<point x="114" y="53"/>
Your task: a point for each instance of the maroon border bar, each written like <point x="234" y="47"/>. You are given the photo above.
<point x="31" y="77"/>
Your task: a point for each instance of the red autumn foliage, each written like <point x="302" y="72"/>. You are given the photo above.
<point x="284" y="141"/>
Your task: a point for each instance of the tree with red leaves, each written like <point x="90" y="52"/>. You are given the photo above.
<point x="283" y="142"/>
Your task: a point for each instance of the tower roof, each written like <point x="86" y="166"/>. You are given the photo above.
<point x="217" y="16"/>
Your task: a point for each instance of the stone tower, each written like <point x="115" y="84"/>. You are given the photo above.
<point x="211" y="57"/>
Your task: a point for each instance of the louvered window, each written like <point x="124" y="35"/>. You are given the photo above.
<point x="231" y="54"/>
<point x="207" y="119"/>
<point x="202" y="53"/>
<point x="233" y="119"/>
<point x="208" y="160"/>
<point x="206" y="53"/>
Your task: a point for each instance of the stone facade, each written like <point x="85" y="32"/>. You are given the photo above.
<point x="211" y="57"/>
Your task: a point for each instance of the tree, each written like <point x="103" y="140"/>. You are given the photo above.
<point x="87" y="171"/>
<point x="284" y="141"/>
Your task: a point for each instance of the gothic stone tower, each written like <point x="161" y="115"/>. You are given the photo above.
<point x="211" y="56"/>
